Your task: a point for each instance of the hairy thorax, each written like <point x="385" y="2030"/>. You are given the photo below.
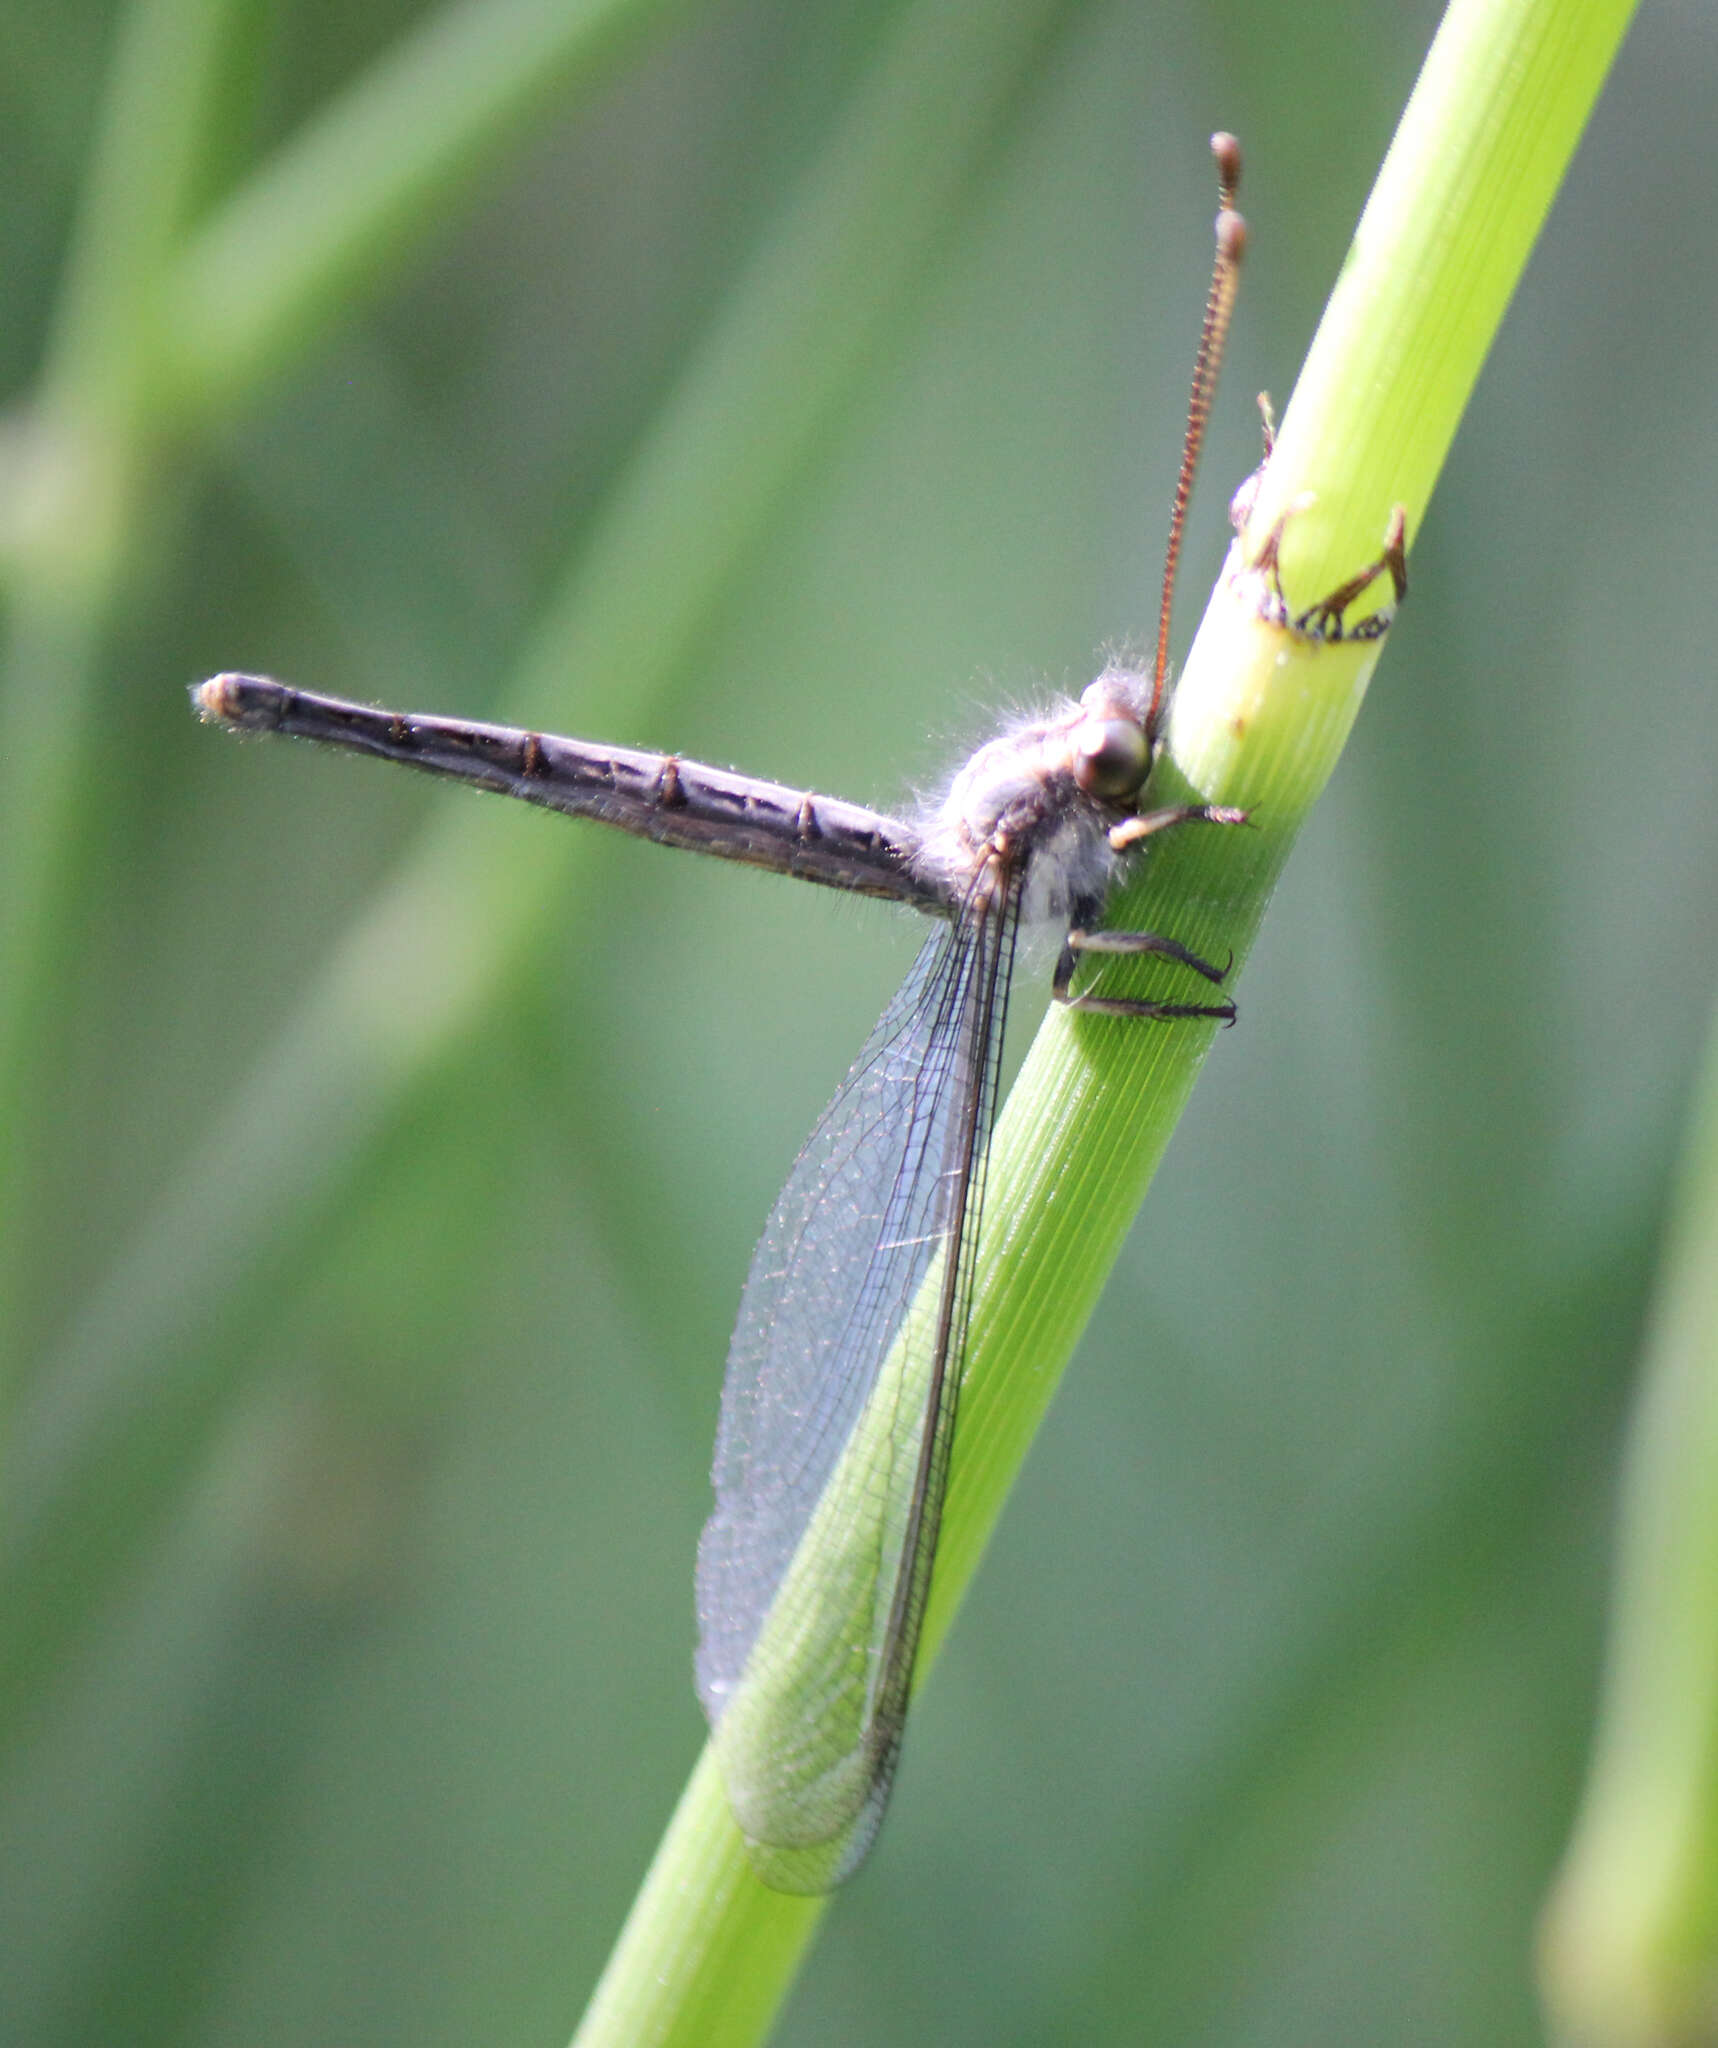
<point x="1036" y="805"/>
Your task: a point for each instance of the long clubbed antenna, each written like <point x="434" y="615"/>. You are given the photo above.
<point x="1219" y="304"/>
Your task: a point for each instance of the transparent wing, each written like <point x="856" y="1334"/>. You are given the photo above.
<point x="837" y="1416"/>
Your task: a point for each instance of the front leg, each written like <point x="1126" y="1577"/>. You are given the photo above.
<point x="1144" y="823"/>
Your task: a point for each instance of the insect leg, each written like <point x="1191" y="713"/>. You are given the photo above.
<point x="1143" y="942"/>
<point x="1079" y="942"/>
<point x="1141" y="826"/>
<point x="1324" y="619"/>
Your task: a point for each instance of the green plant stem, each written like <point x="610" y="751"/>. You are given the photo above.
<point x="1475" y="163"/>
<point x="1259" y="720"/>
<point x="1629" y="1949"/>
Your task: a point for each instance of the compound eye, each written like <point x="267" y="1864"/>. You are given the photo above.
<point x="1110" y="757"/>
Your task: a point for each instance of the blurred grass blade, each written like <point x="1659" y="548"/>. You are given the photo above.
<point x="70" y="496"/>
<point x="143" y="338"/>
<point x="410" y="983"/>
<point x="707" y="1952"/>
<point x="319" y="228"/>
<point x="150" y="153"/>
<point x="1629" y="1949"/>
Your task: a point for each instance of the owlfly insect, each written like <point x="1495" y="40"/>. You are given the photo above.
<point x="838" y="1410"/>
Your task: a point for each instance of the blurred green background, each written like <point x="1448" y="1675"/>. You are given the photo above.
<point x="364" y="1371"/>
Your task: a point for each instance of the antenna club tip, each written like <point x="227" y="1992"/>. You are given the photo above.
<point x="1227" y="152"/>
<point x="1231" y="236"/>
